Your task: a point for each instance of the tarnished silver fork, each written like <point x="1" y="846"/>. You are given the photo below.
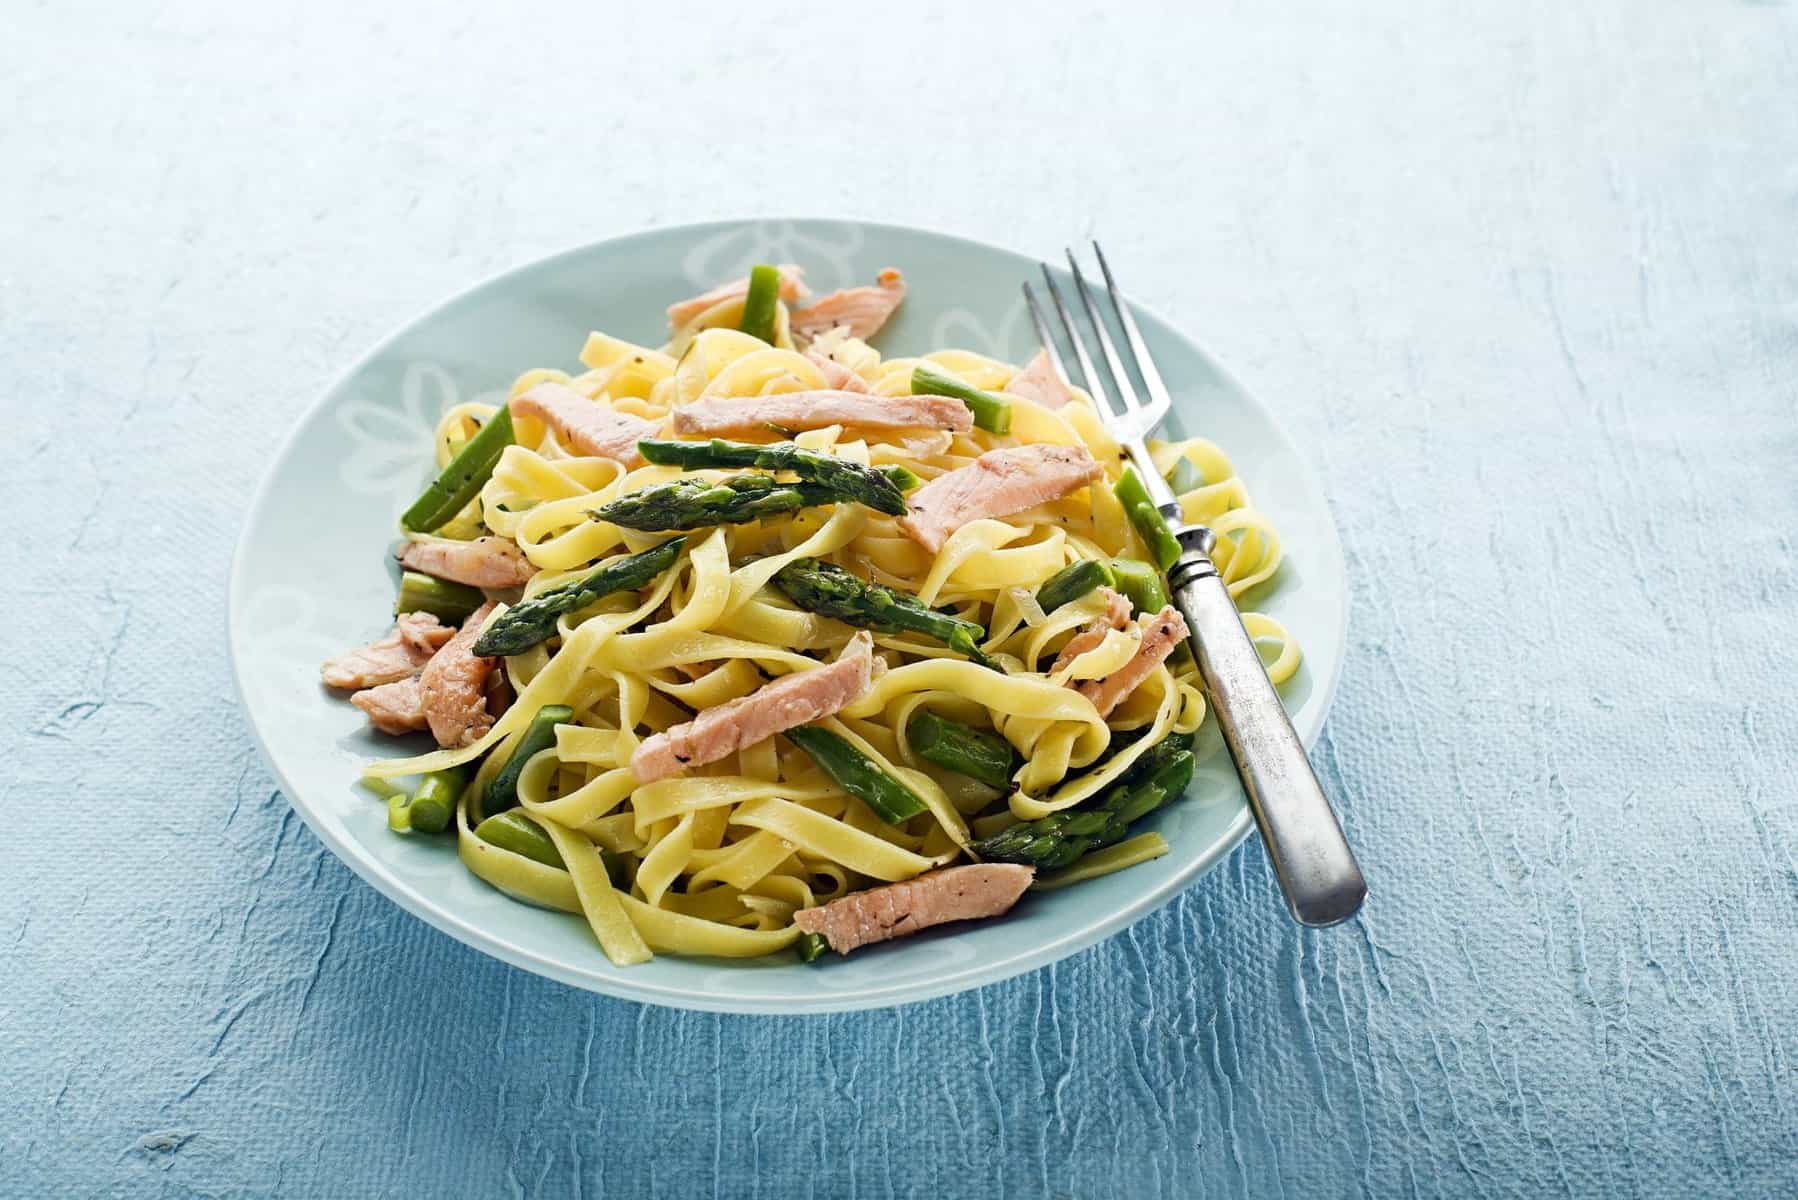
<point x="1311" y="858"/>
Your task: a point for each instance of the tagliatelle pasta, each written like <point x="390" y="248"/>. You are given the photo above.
<point x="717" y="859"/>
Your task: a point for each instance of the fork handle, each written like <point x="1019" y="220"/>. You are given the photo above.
<point x="1311" y="858"/>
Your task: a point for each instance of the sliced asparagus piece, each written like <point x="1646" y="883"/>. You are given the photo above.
<point x="448" y="602"/>
<point x="540" y="735"/>
<point x="954" y="746"/>
<point x="1072" y="582"/>
<point x="433" y="802"/>
<point x="759" y="305"/>
<point x="1141" y="583"/>
<point x="531" y="621"/>
<point x="811" y="947"/>
<point x="696" y="504"/>
<point x="856" y="774"/>
<point x="451" y="491"/>
<point x="1059" y="839"/>
<point x="822" y="587"/>
<point x="992" y="412"/>
<point x="864" y="485"/>
<point x="902" y="477"/>
<point x="1147" y="518"/>
<point x="518" y="833"/>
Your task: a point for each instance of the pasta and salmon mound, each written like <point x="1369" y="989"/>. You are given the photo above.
<point x="761" y="640"/>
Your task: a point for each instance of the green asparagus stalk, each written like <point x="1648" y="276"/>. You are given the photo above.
<point x="856" y="774"/>
<point x="1057" y="840"/>
<point x="854" y="481"/>
<point x="520" y="834"/>
<point x="1141" y="583"/>
<point x="696" y="504"/>
<point x="902" y="478"/>
<point x="821" y="587"/>
<point x="811" y="947"/>
<point x="531" y="621"/>
<point x="448" y="602"/>
<point x="992" y="412"/>
<point x="1185" y="476"/>
<point x="451" y="491"/>
<point x="759" y="305"/>
<point x="540" y="735"/>
<point x="1072" y="582"/>
<point x="954" y="746"/>
<point x="433" y="802"/>
<point x="1147" y="518"/>
<point x="1147" y="591"/>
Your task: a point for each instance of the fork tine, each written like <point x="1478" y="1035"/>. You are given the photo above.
<point x="1042" y="333"/>
<point x="1139" y="350"/>
<point x="1126" y="389"/>
<point x="1089" y="375"/>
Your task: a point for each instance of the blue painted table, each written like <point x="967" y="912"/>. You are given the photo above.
<point x="1522" y="282"/>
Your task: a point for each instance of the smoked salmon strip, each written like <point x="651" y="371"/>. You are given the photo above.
<point x="486" y="562"/>
<point x="883" y="913"/>
<point x="861" y="310"/>
<point x="588" y="427"/>
<point x="1038" y="381"/>
<point x="453" y="686"/>
<point x="400" y="655"/>
<point x="798" y="411"/>
<point x="997" y="484"/>
<point x="1161" y="634"/>
<point x="1115" y="616"/>
<point x="395" y="708"/>
<point x="792" y="700"/>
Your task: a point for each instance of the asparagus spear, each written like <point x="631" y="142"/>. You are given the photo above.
<point x="811" y="947"/>
<point x="856" y="482"/>
<point x="451" y="491"/>
<point x="518" y="833"/>
<point x="1141" y="582"/>
<point x="1072" y="582"/>
<point x="856" y="774"/>
<point x="531" y="621"/>
<point x="540" y="735"/>
<point x="821" y="587"/>
<point x="962" y="748"/>
<point x="448" y="602"/>
<point x="758" y="305"/>
<point x="1060" y="838"/>
<point x="1147" y="518"/>
<point x="433" y="803"/>
<point x="1148" y="594"/>
<point x="902" y="478"/>
<point x="695" y="503"/>
<point x="992" y="412"/>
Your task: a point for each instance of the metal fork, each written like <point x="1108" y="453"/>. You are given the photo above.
<point x="1316" y="868"/>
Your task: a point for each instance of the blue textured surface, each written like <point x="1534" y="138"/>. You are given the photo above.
<point x="1521" y="280"/>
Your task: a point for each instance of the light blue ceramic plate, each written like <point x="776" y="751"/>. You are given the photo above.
<point x="312" y="576"/>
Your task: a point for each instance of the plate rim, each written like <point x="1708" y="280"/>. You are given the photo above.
<point x="961" y="978"/>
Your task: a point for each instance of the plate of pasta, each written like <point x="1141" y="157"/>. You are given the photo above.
<point x="747" y="616"/>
